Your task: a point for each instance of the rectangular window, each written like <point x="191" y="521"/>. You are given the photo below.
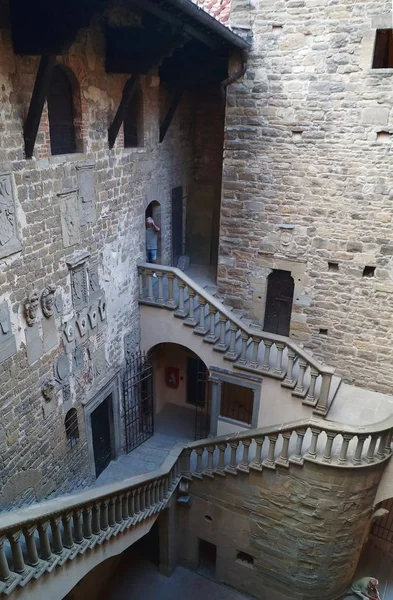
<point x="237" y="402"/>
<point x="383" y="49"/>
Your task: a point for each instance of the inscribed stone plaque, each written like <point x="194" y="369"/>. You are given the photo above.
<point x="49" y="331"/>
<point x="33" y="344"/>
<point x="94" y="285"/>
<point x="62" y="369"/>
<point x="58" y="303"/>
<point x="69" y="213"/>
<point x="87" y="193"/>
<point x="7" y="340"/>
<point x="9" y="242"/>
<point x="80" y="294"/>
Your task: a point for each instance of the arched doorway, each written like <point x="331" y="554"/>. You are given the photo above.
<point x="181" y="392"/>
<point x="153" y="210"/>
<point x="279" y="299"/>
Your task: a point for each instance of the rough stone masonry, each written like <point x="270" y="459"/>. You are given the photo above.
<point x="307" y="179"/>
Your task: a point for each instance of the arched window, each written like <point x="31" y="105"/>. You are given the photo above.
<point x="61" y="113"/>
<point x="133" y="122"/>
<point x="71" y="427"/>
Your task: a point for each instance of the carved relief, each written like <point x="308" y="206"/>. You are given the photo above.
<point x="47" y="300"/>
<point x="49" y="390"/>
<point x="286" y="234"/>
<point x="82" y="324"/>
<point x="93" y="316"/>
<point x="102" y="308"/>
<point x="94" y="284"/>
<point x="78" y="360"/>
<point x="31" y="307"/>
<point x="62" y="369"/>
<point x="9" y="241"/>
<point x="7" y="340"/>
<point x="79" y="287"/>
<point x="69" y="331"/>
<point x="87" y="192"/>
<point x="69" y="213"/>
<point x="58" y="303"/>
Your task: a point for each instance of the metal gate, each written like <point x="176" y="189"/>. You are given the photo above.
<point x="138" y="403"/>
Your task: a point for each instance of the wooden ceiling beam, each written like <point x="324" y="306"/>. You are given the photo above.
<point x="40" y="92"/>
<point x="128" y="92"/>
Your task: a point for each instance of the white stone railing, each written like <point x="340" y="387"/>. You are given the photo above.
<point x="36" y="539"/>
<point x="249" y="348"/>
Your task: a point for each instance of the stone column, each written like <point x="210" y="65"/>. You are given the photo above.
<point x="168" y="541"/>
<point x="215" y="404"/>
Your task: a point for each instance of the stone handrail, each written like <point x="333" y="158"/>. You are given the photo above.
<point x="35" y="539"/>
<point x="315" y="394"/>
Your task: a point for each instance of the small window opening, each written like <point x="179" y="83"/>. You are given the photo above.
<point x="61" y="113"/>
<point x="384" y="137"/>
<point x="297" y="135"/>
<point x="237" y="402"/>
<point x="132" y="122"/>
<point x="333" y="266"/>
<point x="383" y="49"/>
<point x="368" y="271"/>
<point x="71" y="428"/>
<point x="245" y="559"/>
<point x="323" y="331"/>
<point x="276" y="29"/>
<point x="208" y="518"/>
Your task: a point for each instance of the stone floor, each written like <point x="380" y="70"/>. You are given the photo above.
<point x="377" y="563"/>
<point x="143" y="581"/>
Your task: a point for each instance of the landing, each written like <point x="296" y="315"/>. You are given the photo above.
<point x="143" y="580"/>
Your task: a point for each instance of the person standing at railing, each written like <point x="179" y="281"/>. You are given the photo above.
<point x="152" y="231"/>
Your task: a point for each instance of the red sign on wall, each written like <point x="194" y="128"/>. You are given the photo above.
<point x="172" y="377"/>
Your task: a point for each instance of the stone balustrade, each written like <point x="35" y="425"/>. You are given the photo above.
<point x="36" y="539"/>
<point x="249" y="348"/>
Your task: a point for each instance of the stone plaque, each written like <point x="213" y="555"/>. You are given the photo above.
<point x="9" y="241"/>
<point x="80" y="294"/>
<point x="62" y="369"/>
<point x="94" y="284"/>
<point x="33" y="344"/>
<point x="49" y="331"/>
<point x="99" y="363"/>
<point x="87" y="192"/>
<point x="81" y="323"/>
<point x="69" y="213"/>
<point x="7" y="340"/>
<point x="78" y="361"/>
<point x="58" y="304"/>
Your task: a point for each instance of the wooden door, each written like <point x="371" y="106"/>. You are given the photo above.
<point x="279" y="301"/>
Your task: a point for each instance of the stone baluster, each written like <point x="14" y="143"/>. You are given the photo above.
<point x="343" y="458"/>
<point x="186" y="468"/>
<point x="78" y="532"/>
<point x="157" y="491"/>
<point x="162" y="489"/>
<point x="323" y="400"/>
<point x="298" y="456"/>
<point x="289" y="381"/>
<point x="191" y="320"/>
<point x="131" y="503"/>
<point x="32" y="554"/>
<point x="211" y="337"/>
<point x="201" y="329"/>
<point x="255" y="348"/>
<point x="382" y="446"/>
<point x="388" y="448"/>
<point x="357" y="459"/>
<point x="232" y="467"/>
<point x="327" y="454"/>
<point x="5" y="572"/>
<point x="266" y="355"/>
<point x="104" y="515"/>
<point x="16" y="549"/>
<point x="119" y="509"/>
<point x="231" y="354"/>
<point x="299" y="389"/>
<point x="371" y="449"/>
<point x="256" y="464"/>
<point x="140" y="279"/>
<point x="171" y="297"/>
<point x="96" y="519"/>
<point x="87" y="522"/>
<point x="280" y="350"/>
<point x="283" y="459"/>
<point x="209" y="470"/>
<point x="311" y="390"/>
<point x="312" y="451"/>
<point x="244" y="463"/>
<point x="138" y="500"/>
<point x="111" y="512"/>
<point x="67" y="531"/>
<point x="142" y="499"/>
<point x="198" y="470"/>
<point x="160" y="276"/>
<point x="125" y="503"/>
<point x="219" y="470"/>
<point x="149" y="501"/>
<point x="243" y="352"/>
<point x="150" y="294"/>
<point x="56" y="535"/>
<point x="181" y="311"/>
<point x="221" y="345"/>
<point x="269" y="461"/>
<point x="45" y="549"/>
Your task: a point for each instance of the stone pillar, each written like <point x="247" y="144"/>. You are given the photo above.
<point x="215" y="404"/>
<point x="168" y="540"/>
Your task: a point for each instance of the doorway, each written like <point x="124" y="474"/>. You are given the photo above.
<point x="177" y="224"/>
<point x="207" y="559"/>
<point x="101" y="424"/>
<point x="153" y="211"/>
<point x="198" y="394"/>
<point x="279" y="299"/>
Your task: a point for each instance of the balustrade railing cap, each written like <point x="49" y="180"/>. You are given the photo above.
<point x="255" y="333"/>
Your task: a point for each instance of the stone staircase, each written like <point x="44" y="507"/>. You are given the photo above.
<point x="240" y="341"/>
<point x="37" y="542"/>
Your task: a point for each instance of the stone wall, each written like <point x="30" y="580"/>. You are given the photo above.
<point x="308" y="147"/>
<point x="302" y="528"/>
<point x="75" y="222"/>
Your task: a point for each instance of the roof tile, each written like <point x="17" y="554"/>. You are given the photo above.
<point x="220" y="9"/>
